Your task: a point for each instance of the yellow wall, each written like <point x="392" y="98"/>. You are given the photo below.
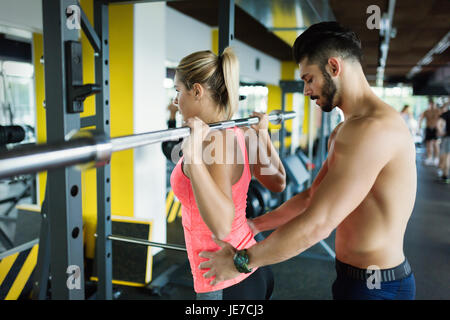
<point x="121" y="116"/>
<point x="273" y="102"/>
<point x="121" y="111"/>
<point x="215" y="40"/>
<point x="121" y="97"/>
<point x="274" y="99"/>
<point x="41" y="126"/>
<point x="88" y="177"/>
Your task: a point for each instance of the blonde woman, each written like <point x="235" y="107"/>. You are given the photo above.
<point x="211" y="179"/>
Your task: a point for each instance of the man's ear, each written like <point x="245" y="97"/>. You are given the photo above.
<point x="334" y="66"/>
<point x="197" y="90"/>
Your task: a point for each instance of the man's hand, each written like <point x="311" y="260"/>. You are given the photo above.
<point x="252" y="227"/>
<point x="172" y="108"/>
<point x="220" y="263"/>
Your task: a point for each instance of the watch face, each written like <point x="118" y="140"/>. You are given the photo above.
<point x="241" y="261"/>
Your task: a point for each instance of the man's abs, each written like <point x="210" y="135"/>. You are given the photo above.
<point x="366" y="238"/>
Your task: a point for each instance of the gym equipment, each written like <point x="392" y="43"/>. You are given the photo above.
<point x="16" y="268"/>
<point x="11" y="134"/>
<point x="146" y="242"/>
<point x="132" y="265"/>
<point x="259" y="199"/>
<point x="93" y="147"/>
<point x="173" y="207"/>
<point x="297" y="175"/>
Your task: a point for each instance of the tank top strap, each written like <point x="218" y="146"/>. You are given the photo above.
<point x="241" y="140"/>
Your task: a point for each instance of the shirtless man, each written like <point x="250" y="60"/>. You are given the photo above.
<point x="431" y="115"/>
<point x="366" y="187"/>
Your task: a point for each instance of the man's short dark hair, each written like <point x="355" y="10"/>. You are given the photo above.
<point x="326" y="39"/>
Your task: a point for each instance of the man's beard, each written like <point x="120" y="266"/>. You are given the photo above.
<point x="328" y="92"/>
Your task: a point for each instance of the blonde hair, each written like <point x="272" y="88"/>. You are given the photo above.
<point x="220" y="74"/>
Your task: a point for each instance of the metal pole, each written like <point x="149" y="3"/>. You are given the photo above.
<point x="46" y="156"/>
<point x="42" y="270"/>
<point x="146" y="242"/>
<point x="321" y="148"/>
<point x="226" y="24"/>
<point x="282" y="129"/>
<point x="63" y="185"/>
<point x="87" y="146"/>
<point x="103" y="246"/>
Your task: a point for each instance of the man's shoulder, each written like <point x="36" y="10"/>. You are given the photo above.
<point x="368" y="125"/>
<point x="371" y="131"/>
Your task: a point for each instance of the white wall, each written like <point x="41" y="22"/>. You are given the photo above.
<point x="24" y="14"/>
<point x="150" y="115"/>
<point x="184" y="35"/>
<point x="269" y="67"/>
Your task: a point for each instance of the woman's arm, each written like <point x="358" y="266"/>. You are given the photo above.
<point x="265" y="163"/>
<point x="211" y="183"/>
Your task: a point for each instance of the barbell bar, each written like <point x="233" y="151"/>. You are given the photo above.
<point x="146" y="242"/>
<point x="93" y="148"/>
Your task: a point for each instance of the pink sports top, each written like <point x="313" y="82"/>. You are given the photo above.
<point x="197" y="235"/>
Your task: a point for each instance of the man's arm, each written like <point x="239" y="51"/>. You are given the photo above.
<point x="360" y="153"/>
<point x="290" y="209"/>
<point x="294" y="206"/>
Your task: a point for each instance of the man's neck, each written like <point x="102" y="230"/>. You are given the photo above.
<point x="356" y="96"/>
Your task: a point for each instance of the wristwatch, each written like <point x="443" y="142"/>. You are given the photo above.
<point x="241" y="261"/>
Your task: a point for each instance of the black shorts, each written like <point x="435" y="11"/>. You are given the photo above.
<point x="430" y="134"/>
<point x="258" y="286"/>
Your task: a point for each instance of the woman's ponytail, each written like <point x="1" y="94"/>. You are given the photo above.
<point x="230" y="67"/>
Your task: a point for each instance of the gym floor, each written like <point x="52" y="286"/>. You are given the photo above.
<point x="310" y="275"/>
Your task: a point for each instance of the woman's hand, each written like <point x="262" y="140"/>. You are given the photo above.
<point x="263" y="123"/>
<point x="192" y="146"/>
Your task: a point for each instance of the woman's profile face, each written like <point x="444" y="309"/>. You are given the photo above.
<point x="184" y="99"/>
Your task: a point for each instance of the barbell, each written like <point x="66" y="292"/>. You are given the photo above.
<point x="95" y="149"/>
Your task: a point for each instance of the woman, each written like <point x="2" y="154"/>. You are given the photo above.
<point x="212" y="190"/>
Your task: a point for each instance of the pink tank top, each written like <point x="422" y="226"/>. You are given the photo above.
<point x="197" y="235"/>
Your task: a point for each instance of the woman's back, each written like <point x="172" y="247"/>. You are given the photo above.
<point x="198" y="236"/>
